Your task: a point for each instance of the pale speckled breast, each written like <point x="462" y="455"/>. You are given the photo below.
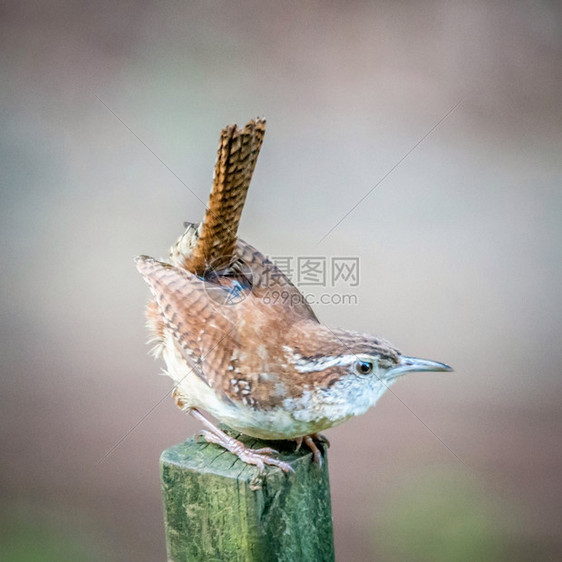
<point x="313" y="412"/>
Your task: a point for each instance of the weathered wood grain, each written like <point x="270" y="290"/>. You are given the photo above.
<point x="217" y="508"/>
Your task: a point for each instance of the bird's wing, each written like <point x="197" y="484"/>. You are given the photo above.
<point x="197" y="314"/>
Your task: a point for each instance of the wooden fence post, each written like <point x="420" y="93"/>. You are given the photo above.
<point x="216" y="508"/>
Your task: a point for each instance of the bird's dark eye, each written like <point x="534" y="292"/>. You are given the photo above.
<point x="364" y="367"/>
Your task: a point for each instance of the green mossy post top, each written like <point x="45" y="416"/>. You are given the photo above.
<point x="217" y="508"/>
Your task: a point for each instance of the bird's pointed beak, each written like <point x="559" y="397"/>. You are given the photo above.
<point x="412" y="364"/>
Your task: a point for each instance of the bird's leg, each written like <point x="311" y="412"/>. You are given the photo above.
<point x="309" y="442"/>
<point x="258" y="457"/>
<point x="213" y="434"/>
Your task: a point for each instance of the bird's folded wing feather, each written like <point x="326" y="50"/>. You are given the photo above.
<point x="203" y="328"/>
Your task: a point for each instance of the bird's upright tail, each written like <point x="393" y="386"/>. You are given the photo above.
<point x="211" y="244"/>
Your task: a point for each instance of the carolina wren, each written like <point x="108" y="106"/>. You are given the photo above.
<point x="263" y="366"/>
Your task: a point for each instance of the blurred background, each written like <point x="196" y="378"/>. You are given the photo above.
<point x="459" y="247"/>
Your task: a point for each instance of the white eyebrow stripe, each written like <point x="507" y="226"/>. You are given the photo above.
<point x="303" y="365"/>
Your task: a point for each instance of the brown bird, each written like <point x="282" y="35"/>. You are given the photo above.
<point x="241" y="342"/>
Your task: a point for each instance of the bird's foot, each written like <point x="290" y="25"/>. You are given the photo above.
<point x="321" y="438"/>
<point x="308" y="440"/>
<point x="257" y="457"/>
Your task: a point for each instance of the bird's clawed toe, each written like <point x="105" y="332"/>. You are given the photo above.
<point x="257" y="457"/>
<point x="321" y="438"/>
<point x="316" y="453"/>
<point x="252" y="456"/>
<point x="308" y="440"/>
<point x="266" y="451"/>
